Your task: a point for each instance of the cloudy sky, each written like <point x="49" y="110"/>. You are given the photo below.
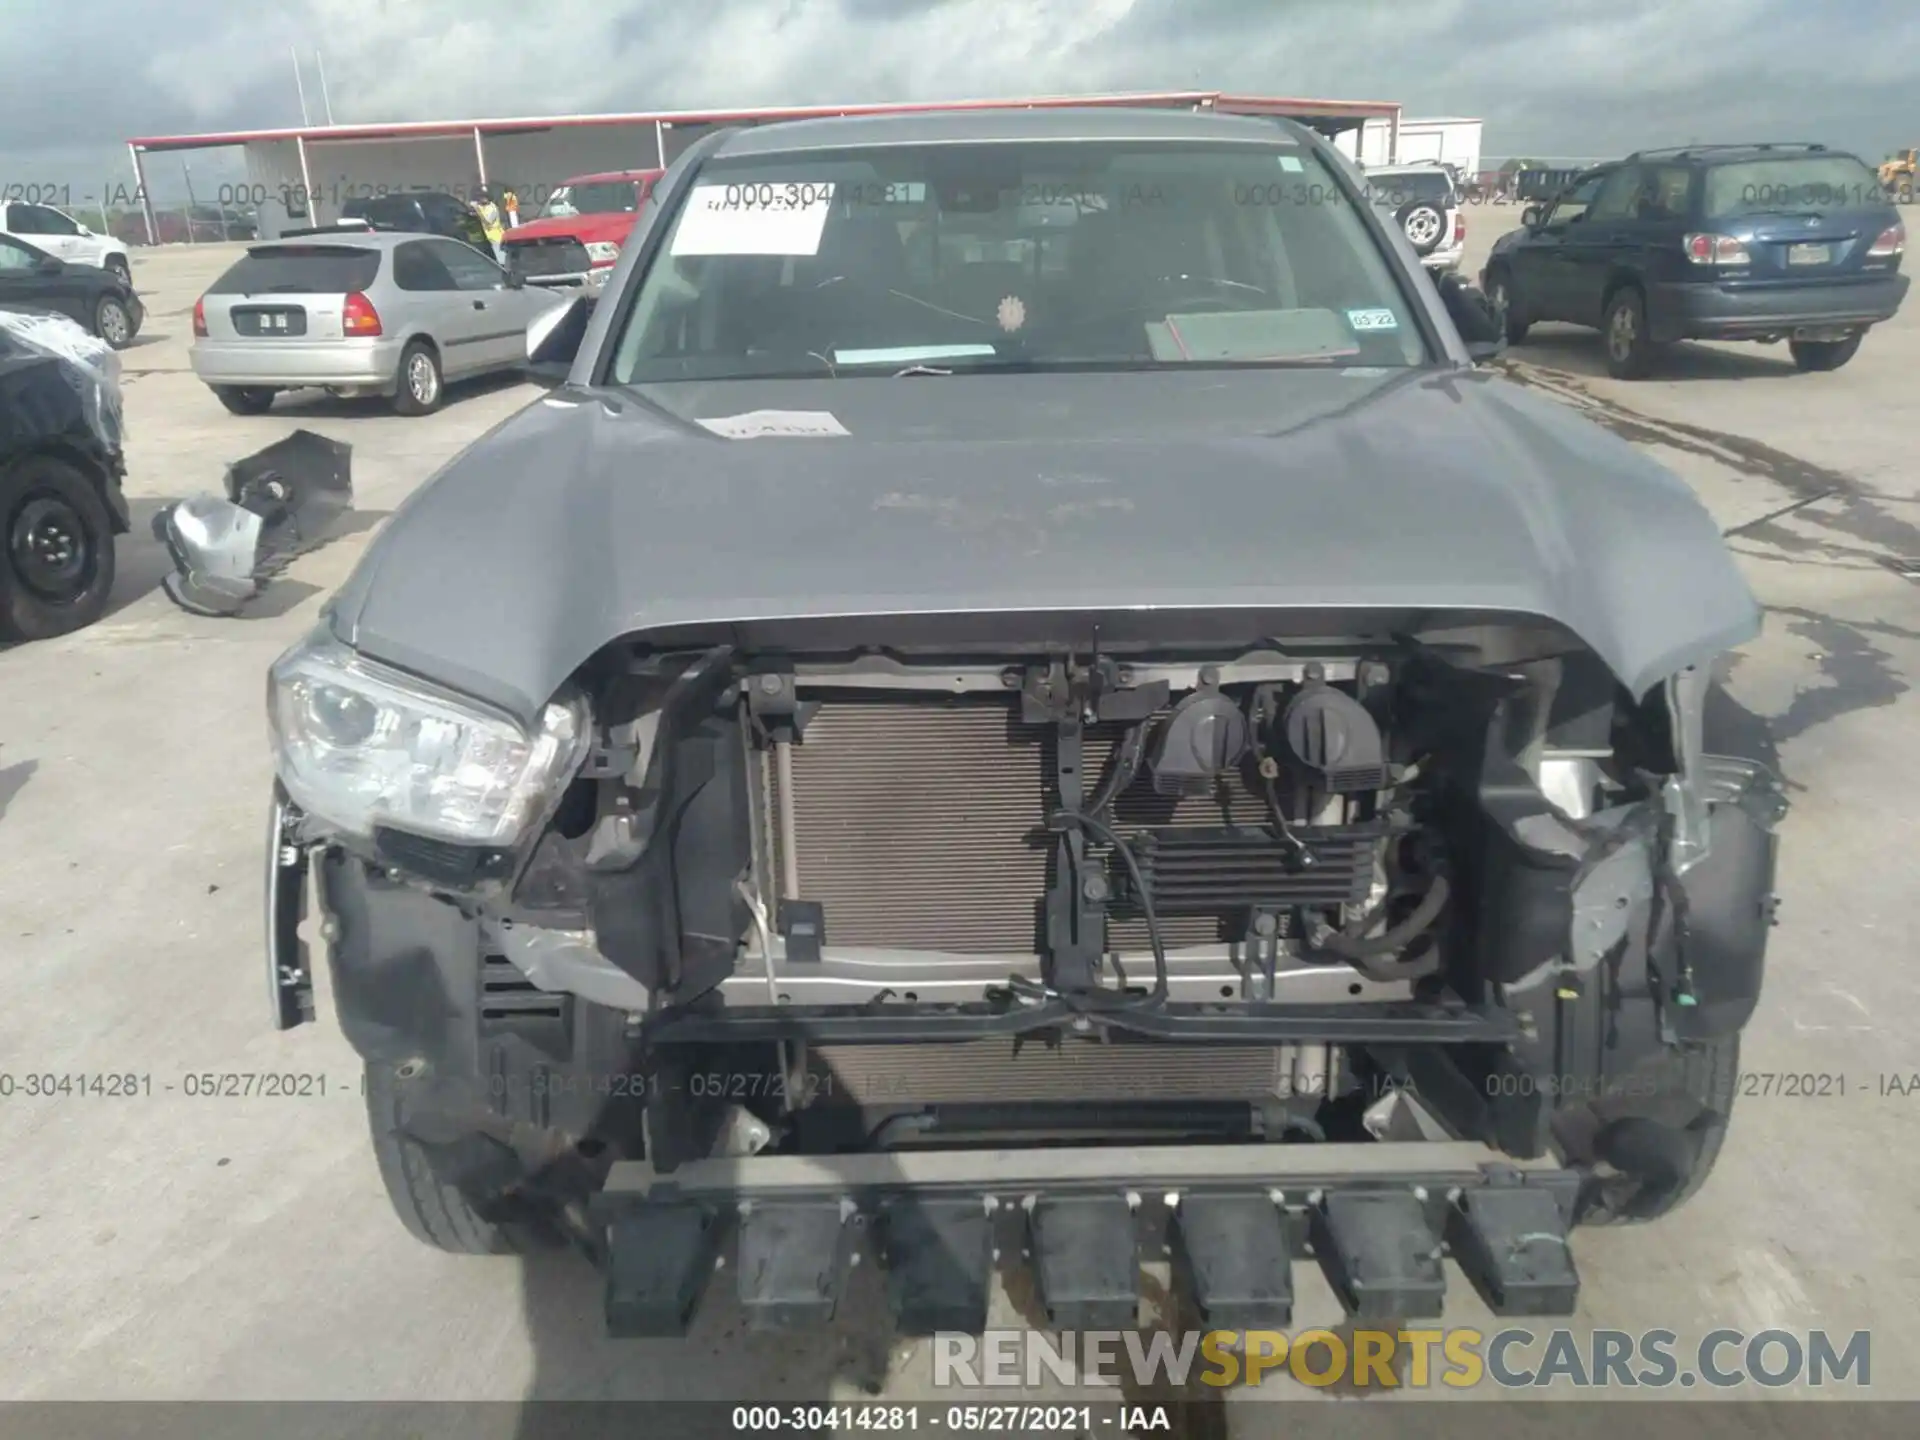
<point x="1566" y="78"/>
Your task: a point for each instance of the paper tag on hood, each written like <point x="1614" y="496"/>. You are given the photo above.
<point x="776" y="424"/>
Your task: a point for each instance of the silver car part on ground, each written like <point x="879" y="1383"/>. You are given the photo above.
<point x="280" y="502"/>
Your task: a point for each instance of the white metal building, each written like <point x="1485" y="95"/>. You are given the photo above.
<point x="1449" y="141"/>
<point x="533" y="156"/>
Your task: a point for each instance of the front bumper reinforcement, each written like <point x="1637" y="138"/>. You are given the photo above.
<point x="1378" y="1218"/>
<point x="1400" y="1022"/>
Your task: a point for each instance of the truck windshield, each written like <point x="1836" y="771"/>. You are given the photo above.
<point x="1045" y="255"/>
<point x="598" y="197"/>
<point x="1817" y="184"/>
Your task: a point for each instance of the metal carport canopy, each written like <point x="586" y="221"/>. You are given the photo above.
<point x="1329" y="116"/>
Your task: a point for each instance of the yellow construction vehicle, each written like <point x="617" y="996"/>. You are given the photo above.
<point x="1897" y="175"/>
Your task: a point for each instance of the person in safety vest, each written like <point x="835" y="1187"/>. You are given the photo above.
<point x="490" y="222"/>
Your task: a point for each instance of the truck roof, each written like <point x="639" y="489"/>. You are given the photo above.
<point x="990" y="126"/>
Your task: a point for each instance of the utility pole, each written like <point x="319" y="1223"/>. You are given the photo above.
<point x="300" y="85"/>
<point x="326" y="100"/>
<point x="193" y="204"/>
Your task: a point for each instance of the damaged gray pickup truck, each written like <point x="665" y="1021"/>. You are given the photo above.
<point x="1027" y="696"/>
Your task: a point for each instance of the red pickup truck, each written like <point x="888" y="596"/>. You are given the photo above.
<point x="576" y="239"/>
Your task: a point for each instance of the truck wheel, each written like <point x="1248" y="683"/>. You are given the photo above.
<point x="1660" y="1127"/>
<point x="434" y="1210"/>
<point x="1824" y="354"/>
<point x="56" y="550"/>
<point x="1657" y="1132"/>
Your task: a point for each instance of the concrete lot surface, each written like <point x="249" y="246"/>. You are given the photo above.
<point x="175" y="1247"/>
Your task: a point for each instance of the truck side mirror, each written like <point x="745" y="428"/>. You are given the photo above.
<point x="554" y="339"/>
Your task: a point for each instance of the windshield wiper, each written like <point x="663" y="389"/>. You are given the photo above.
<point x="921" y="370"/>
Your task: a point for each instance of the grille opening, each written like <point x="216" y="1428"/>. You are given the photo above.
<point x="1078" y="1072"/>
<point x="921" y="824"/>
<point x="577" y="809"/>
<point x="506" y="994"/>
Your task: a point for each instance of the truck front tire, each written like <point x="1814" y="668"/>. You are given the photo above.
<point x="1654" y="1138"/>
<point x="433" y="1206"/>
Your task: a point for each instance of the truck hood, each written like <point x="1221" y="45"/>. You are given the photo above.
<point x="584" y="228"/>
<point x="593" y="515"/>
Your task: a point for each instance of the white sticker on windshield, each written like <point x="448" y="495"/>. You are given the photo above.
<point x="1362" y="320"/>
<point x="910" y="354"/>
<point x="1290" y="163"/>
<point x="781" y="424"/>
<point x="753" y="220"/>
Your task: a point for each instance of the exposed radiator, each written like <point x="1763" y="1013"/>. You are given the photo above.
<point x="998" y="1071"/>
<point x="920" y="825"/>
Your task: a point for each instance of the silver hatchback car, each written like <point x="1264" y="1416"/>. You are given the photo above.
<point x="360" y="313"/>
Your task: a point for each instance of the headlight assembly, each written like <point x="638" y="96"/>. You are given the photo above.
<point x="360" y="745"/>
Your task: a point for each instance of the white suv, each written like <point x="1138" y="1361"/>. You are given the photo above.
<point x="59" y="234"/>
<point x="1425" y="201"/>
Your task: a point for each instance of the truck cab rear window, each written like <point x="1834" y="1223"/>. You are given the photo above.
<point x="300" y="270"/>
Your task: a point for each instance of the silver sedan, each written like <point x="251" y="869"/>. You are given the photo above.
<point x="389" y="314"/>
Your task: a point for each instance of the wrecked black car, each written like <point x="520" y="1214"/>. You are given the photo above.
<point x="1026" y="695"/>
<point x="62" y="461"/>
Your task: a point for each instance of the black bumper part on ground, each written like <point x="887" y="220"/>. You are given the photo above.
<point x="1377" y="1217"/>
<point x="1749" y="311"/>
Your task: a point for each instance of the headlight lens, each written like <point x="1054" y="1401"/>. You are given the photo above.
<point x="358" y="744"/>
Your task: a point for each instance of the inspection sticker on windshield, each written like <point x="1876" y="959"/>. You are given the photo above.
<point x="753" y="219"/>
<point x="783" y="424"/>
<point x="1290" y="163"/>
<point x="1362" y="320"/>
